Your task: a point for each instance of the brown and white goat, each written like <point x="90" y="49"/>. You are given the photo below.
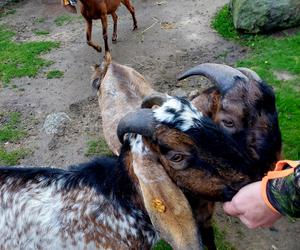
<point x="121" y="90"/>
<point x="240" y="103"/>
<point x="99" y="9"/>
<point x="126" y="202"/>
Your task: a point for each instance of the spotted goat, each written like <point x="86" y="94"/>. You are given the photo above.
<point x="239" y="103"/>
<point x="126" y="202"/>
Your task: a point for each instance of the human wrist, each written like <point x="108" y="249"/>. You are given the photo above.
<point x="265" y="195"/>
<point x="279" y="189"/>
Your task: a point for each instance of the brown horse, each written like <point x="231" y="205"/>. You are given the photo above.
<point x="99" y="9"/>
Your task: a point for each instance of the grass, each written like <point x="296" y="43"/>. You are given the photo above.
<point x="97" y="147"/>
<point x="55" y="74"/>
<point x="221" y="242"/>
<point x="11" y="132"/>
<point x="41" y="32"/>
<point x="39" y="20"/>
<point x="161" y="245"/>
<point x="268" y="55"/>
<point x="21" y="59"/>
<point x="11" y="158"/>
<point x="63" y="20"/>
<point x="6" y="12"/>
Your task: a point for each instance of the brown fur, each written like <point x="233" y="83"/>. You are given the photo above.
<point x="237" y="105"/>
<point x="121" y="90"/>
<point x="174" y="218"/>
<point x="99" y="9"/>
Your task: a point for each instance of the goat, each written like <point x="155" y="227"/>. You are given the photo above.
<point x="121" y="90"/>
<point x="240" y="103"/>
<point x="99" y="9"/>
<point x="244" y="107"/>
<point x="125" y="202"/>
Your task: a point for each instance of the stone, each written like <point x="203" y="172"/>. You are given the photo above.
<point x="56" y="123"/>
<point x="264" y="15"/>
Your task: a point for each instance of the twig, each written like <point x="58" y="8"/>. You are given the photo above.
<point x="151" y="26"/>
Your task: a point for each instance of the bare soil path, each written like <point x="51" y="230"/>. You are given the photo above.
<point x="172" y="36"/>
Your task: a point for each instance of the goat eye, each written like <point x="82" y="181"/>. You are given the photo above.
<point x="228" y="123"/>
<point x="177" y="158"/>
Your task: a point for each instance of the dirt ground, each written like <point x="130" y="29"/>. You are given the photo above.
<point x="172" y="36"/>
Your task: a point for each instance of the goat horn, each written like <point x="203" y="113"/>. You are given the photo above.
<point x="154" y="99"/>
<point x="223" y="76"/>
<point x="140" y="122"/>
<point x="250" y="74"/>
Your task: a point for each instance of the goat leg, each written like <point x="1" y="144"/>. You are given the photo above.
<point x="115" y="19"/>
<point x="130" y="8"/>
<point x="89" y="24"/>
<point x="104" y="31"/>
<point x="208" y="239"/>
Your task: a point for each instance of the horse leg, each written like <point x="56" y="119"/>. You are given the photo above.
<point x="115" y="19"/>
<point x="130" y="8"/>
<point x="89" y="24"/>
<point x="104" y="31"/>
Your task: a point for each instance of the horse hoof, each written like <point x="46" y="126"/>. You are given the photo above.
<point x="99" y="49"/>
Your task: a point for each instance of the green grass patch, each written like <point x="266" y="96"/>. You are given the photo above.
<point x="41" y="32"/>
<point x="10" y="158"/>
<point x="221" y="242"/>
<point x="55" y="74"/>
<point x="6" y="12"/>
<point x="97" y="147"/>
<point x="11" y="131"/>
<point x="161" y="245"/>
<point x="10" y="128"/>
<point x="268" y="55"/>
<point x="21" y="59"/>
<point x="63" y="20"/>
<point x="39" y="20"/>
<point x="223" y="23"/>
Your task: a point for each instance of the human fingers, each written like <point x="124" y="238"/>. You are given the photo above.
<point x="230" y="209"/>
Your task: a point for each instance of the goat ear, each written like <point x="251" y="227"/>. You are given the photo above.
<point x="207" y="102"/>
<point x="168" y="208"/>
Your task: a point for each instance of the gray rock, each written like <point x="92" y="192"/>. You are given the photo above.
<point x="264" y="15"/>
<point x="56" y="123"/>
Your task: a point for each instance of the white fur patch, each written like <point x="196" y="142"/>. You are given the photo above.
<point x="178" y="113"/>
<point x="137" y="145"/>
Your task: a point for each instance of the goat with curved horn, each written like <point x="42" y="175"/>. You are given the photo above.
<point x="223" y="76"/>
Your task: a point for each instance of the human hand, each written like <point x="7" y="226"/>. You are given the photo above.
<point x="249" y="206"/>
